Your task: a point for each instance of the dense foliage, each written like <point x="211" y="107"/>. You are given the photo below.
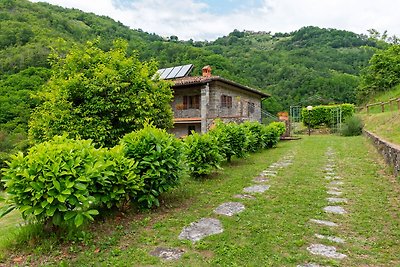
<point x="101" y="96"/>
<point x="326" y="115"/>
<point x="231" y="139"/>
<point x="202" y="154"/>
<point x="159" y="158"/>
<point x="352" y="127"/>
<point x="382" y="74"/>
<point x="63" y="181"/>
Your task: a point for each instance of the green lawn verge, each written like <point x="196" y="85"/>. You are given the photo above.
<point x="385" y="125"/>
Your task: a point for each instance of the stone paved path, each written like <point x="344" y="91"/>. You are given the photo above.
<point x="211" y="226"/>
<point x="334" y="191"/>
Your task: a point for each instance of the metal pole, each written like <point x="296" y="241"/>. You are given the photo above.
<point x="309" y="122"/>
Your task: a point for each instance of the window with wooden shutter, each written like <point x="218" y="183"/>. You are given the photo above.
<point x="226" y="101"/>
<point x="191" y="102"/>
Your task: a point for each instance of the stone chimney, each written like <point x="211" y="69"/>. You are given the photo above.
<point x="206" y="71"/>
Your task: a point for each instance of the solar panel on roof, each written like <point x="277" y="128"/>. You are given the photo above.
<point x="184" y="71"/>
<point x="175" y="72"/>
<point x="166" y="72"/>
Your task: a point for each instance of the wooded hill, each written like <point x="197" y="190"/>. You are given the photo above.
<point x="308" y="66"/>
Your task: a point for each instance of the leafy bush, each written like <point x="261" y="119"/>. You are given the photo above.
<point x="117" y="182"/>
<point x="63" y="181"/>
<point x="324" y="115"/>
<point x="271" y="133"/>
<point x="231" y="139"/>
<point x="352" y="127"/>
<point x="53" y="181"/>
<point x="100" y="95"/>
<point x="202" y="154"/>
<point x="159" y="161"/>
<point x="254" y="140"/>
<point x="279" y="127"/>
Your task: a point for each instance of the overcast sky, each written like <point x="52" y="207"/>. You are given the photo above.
<point x="208" y="20"/>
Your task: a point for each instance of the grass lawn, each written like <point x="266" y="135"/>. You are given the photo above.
<point x="385" y="125"/>
<point x="275" y="228"/>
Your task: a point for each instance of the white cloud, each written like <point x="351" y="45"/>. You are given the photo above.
<point x="193" y="19"/>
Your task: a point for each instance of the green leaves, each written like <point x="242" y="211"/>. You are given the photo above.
<point x="325" y="115"/>
<point x="158" y="157"/>
<point x="101" y="95"/>
<point x="202" y="154"/>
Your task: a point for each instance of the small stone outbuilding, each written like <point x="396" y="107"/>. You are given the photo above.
<point x="200" y="100"/>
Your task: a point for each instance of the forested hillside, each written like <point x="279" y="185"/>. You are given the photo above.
<point x="309" y="66"/>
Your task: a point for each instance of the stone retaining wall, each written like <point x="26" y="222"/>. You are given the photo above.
<point x="389" y="151"/>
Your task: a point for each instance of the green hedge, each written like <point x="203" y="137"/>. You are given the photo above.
<point x="202" y="154"/>
<point x="325" y="115"/>
<point x="64" y="181"/>
<point x="159" y="158"/>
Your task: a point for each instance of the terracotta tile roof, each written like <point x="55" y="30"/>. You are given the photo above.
<point x="200" y="80"/>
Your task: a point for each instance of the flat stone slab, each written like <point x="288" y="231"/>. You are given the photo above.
<point x="336" y="200"/>
<point x="336" y="183"/>
<point x="330" y="173"/>
<point x="256" y="189"/>
<point x="329" y="169"/>
<point x="331" y="238"/>
<point x="244" y="196"/>
<point x="334" y="192"/>
<point x="168" y="253"/>
<point x="325" y="223"/>
<point x="326" y="251"/>
<point x="200" y="229"/>
<point x="271" y="172"/>
<point x="230" y="208"/>
<point x="335" y="210"/>
<point x="260" y="179"/>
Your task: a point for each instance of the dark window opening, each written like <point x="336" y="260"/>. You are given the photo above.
<point x="251" y="107"/>
<point x="191" y="102"/>
<point x="226" y="101"/>
<point x="191" y="128"/>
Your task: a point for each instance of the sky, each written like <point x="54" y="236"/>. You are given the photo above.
<point x="208" y="20"/>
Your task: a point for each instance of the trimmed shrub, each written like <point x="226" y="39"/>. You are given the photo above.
<point x="52" y="183"/>
<point x="254" y="140"/>
<point x="352" y="127"/>
<point x="202" y="154"/>
<point x="117" y="181"/>
<point x="231" y="139"/>
<point x="323" y="115"/>
<point x="159" y="161"/>
<point x="271" y="133"/>
<point x="279" y="127"/>
<point x="63" y="181"/>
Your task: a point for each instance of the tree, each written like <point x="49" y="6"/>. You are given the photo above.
<point x="383" y="72"/>
<point x="100" y="95"/>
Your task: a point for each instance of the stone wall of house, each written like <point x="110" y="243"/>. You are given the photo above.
<point x="389" y="151"/>
<point x="177" y="104"/>
<point x="182" y="129"/>
<point x="239" y="111"/>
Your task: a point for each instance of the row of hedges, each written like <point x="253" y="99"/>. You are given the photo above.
<point x="326" y="115"/>
<point x="205" y="152"/>
<point x="66" y="182"/>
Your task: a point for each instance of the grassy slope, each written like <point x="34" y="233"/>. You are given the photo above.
<point x="274" y="230"/>
<point x="386" y="125"/>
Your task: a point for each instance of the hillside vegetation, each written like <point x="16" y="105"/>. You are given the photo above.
<point x="387" y="124"/>
<point x="308" y="66"/>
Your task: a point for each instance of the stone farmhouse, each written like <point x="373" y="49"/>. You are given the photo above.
<point x="200" y="100"/>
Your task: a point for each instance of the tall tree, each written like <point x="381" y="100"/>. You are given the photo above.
<point x="100" y="95"/>
<point x="383" y="72"/>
